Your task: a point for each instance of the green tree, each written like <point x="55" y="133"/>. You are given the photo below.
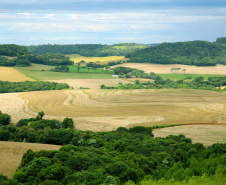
<point x="68" y="123"/>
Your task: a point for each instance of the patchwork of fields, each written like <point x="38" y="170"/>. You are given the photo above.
<point x="166" y="68"/>
<point x="103" y="110"/>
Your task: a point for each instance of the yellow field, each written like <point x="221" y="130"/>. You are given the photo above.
<point x="12" y="75"/>
<point x="78" y="58"/>
<point x="11" y="154"/>
<point x="103" y="110"/>
<point x="206" y="134"/>
<point x="165" y="69"/>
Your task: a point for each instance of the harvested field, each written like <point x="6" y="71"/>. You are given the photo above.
<point x="12" y="75"/>
<point x="103" y="110"/>
<point x="78" y="58"/>
<point x="165" y="69"/>
<point x="90" y="83"/>
<point x="206" y="134"/>
<point x="11" y="154"/>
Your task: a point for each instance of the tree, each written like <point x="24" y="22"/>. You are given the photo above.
<point x="40" y="115"/>
<point x="68" y="123"/>
<point x="4" y="119"/>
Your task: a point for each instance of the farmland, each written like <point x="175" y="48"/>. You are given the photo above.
<point x="78" y="58"/>
<point x="102" y="110"/>
<point x="11" y="154"/>
<point x="166" y="69"/>
<point x="49" y="75"/>
<point x="12" y="75"/>
<point x="208" y="134"/>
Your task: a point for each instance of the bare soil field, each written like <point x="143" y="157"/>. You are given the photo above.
<point x="104" y="110"/>
<point x="165" y="69"/>
<point x="206" y="134"/>
<point x="12" y="75"/>
<point x="90" y="83"/>
<point x="11" y="154"/>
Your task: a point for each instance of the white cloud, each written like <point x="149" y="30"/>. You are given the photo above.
<point x="25" y="13"/>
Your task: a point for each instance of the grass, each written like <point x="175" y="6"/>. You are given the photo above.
<point x="74" y="68"/>
<point x="182" y="76"/>
<point x="49" y="75"/>
<point x="78" y="58"/>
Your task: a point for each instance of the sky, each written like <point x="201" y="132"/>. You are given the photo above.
<point x="35" y="22"/>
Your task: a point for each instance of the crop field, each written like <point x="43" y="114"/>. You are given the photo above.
<point x="206" y="134"/>
<point x="91" y="83"/>
<point x="12" y="75"/>
<point x="166" y="69"/>
<point x="49" y="75"/>
<point x="78" y="58"/>
<point x="11" y="154"/>
<point x="103" y="110"/>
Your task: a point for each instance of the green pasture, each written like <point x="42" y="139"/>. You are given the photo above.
<point x="49" y="75"/>
<point x="182" y="76"/>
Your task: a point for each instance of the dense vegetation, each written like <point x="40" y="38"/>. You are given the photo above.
<point x="7" y="87"/>
<point x="221" y="40"/>
<point x="198" y="53"/>
<point x="12" y="50"/>
<point x="124" y="156"/>
<point x="87" y="50"/>
<point x="213" y="83"/>
<point x="52" y="59"/>
<point x="136" y="73"/>
<point x="14" y="62"/>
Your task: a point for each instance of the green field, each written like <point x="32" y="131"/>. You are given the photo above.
<point x="49" y="75"/>
<point x="182" y="76"/>
<point x="78" y="58"/>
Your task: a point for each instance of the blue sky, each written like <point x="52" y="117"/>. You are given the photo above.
<point x="33" y="22"/>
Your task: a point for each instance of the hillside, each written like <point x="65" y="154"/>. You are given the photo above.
<point x="12" y="50"/>
<point x="198" y="53"/>
<point x="88" y="50"/>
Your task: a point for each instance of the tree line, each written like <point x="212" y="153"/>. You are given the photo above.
<point x="8" y="87"/>
<point x="12" y="50"/>
<point x="213" y="84"/>
<point x="124" y="156"/>
<point x="198" y="53"/>
<point x="88" y="50"/>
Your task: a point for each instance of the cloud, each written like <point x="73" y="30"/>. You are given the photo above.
<point x="25" y="13"/>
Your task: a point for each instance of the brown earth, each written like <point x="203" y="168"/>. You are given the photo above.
<point x="166" y="69"/>
<point x="11" y="154"/>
